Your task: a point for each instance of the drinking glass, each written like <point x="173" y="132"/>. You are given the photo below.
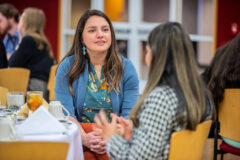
<point x="15" y="101"/>
<point x="34" y="99"/>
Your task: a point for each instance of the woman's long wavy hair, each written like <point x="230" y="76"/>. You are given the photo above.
<point x="225" y="69"/>
<point x="112" y="69"/>
<point x="33" y="25"/>
<point x="173" y="63"/>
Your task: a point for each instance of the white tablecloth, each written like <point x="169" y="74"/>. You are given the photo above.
<point x="72" y="136"/>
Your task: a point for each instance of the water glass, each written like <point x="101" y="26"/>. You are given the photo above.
<point x="15" y="101"/>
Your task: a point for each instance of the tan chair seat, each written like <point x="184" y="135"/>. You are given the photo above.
<point x="15" y="79"/>
<point x="3" y="96"/>
<point x="189" y="145"/>
<point x="33" y="150"/>
<point x="51" y="82"/>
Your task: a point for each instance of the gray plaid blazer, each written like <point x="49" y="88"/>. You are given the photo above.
<point x="151" y="139"/>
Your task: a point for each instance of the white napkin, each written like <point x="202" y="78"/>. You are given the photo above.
<point x="40" y="122"/>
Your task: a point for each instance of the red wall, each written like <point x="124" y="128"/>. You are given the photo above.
<point x="228" y="13"/>
<point x="50" y="8"/>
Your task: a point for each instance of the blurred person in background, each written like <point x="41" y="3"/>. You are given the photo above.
<point x="3" y="56"/>
<point x="34" y="51"/>
<point x="174" y="99"/>
<point x="9" y="18"/>
<point x="93" y="76"/>
<point x="224" y="72"/>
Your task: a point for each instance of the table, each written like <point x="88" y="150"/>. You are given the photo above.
<point x="71" y="136"/>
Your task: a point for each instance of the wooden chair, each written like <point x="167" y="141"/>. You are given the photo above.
<point x="33" y="150"/>
<point x="189" y="145"/>
<point x="227" y="123"/>
<point x="15" y="79"/>
<point x="3" y="96"/>
<point x="51" y="82"/>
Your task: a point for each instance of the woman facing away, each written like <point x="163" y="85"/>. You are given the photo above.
<point x="224" y="72"/>
<point x="92" y="76"/>
<point x="174" y="99"/>
<point x="34" y="51"/>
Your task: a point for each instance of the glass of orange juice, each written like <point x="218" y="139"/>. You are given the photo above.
<point x="34" y="99"/>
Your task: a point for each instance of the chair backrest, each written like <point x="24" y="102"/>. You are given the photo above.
<point x="15" y="79"/>
<point x="229" y="114"/>
<point x="33" y="150"/>
<point x="3" y="96"/>
<point x="187" y="144"/>
<point x="51" y="82"/>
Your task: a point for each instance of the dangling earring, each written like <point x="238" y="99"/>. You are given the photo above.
<point x="84" y="50"/>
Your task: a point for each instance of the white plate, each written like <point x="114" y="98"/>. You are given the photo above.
<point x="63" y="118"/>
<point x="66" y="123"/>
<point x="20" y="118"/>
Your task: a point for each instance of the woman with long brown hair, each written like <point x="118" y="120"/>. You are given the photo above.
<point x="174" y="99"/>
<point x="92" y="76"/>
<point x="34" y="51"/>
<point x="223" y="73"/>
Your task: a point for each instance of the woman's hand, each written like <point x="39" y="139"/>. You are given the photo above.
<point x="108" y="129"/>
<point x="125" y="127"/>
<point x="94" y="141"/>
<point x="98" y="146"/>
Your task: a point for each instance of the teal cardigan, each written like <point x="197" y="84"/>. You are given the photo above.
<point x="122" y="102"/>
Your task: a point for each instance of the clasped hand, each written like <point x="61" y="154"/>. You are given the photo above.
<point x="95" y="142"/>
